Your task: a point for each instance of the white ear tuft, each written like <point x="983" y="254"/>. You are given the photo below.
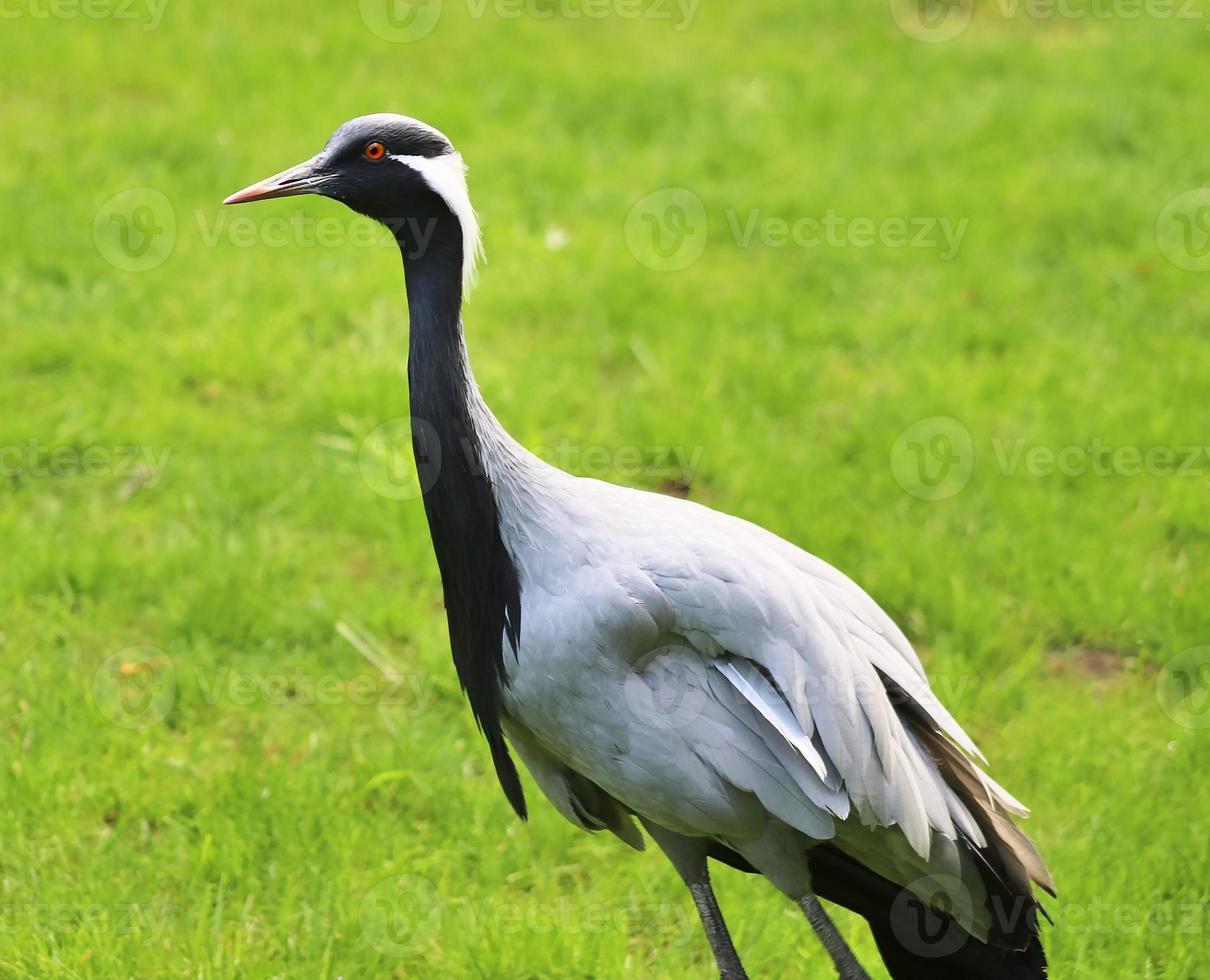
<point x="446" y="175"/>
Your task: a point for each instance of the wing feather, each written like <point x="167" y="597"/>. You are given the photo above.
<point x="759" y="693"/>
<point x="825" y="670"/>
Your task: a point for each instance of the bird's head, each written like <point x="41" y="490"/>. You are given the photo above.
<point x="394" y="169"/>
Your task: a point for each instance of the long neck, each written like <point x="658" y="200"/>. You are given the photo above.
<point x="453" y="434"/>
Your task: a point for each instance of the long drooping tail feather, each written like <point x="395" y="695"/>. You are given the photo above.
<point x="1008" y="849"/>
<point x="918" y="941"/>
<point x="916" y="937"/>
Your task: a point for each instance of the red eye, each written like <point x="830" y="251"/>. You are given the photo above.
<point x="375" y="152"/>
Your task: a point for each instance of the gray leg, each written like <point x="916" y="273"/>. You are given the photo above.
<point x="842" y="957"/>
<point x="688" y="856"/>
<point x="729" y="966"/>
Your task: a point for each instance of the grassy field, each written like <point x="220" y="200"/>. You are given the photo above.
<point x="934" y="309"/>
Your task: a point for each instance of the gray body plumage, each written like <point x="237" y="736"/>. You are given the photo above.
<point x="702" y="673"/>
<point x="650" y="658"/>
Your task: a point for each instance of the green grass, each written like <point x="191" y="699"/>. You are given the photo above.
<point x="258" y="829"/>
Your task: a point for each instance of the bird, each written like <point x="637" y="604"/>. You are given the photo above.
<point x="658" y="664"/>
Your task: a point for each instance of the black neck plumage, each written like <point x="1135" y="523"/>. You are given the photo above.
<point x="478" y="576"/>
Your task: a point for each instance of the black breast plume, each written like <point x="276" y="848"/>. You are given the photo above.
<point x="479" y="579"/>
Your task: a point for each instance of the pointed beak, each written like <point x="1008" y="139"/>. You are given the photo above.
<point x="306" y="178"/>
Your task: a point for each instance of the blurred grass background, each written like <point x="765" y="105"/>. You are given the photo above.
<point x="296" y="788"/>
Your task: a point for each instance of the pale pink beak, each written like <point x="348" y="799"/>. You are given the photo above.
<point x="306" y="178"/>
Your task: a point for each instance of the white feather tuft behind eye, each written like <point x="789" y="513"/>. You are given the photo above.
<point x="446" y="175"/>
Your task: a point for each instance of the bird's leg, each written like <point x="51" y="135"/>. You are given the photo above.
<point x="688" y="856"/>
<point x="729" y="966"/>
<point x="843" y="959"/>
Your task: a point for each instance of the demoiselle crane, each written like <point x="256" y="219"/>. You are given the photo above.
<point x="804" y="744"/>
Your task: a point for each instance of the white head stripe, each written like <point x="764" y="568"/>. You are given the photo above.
<point x="446" y="175"/>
